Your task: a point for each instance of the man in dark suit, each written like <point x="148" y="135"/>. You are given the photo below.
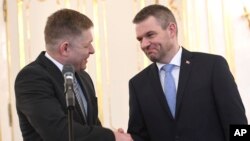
<point x="39" y="87"/>
<point x="204" y="100"/>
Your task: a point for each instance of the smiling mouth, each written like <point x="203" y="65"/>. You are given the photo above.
<point x="150" y="51"/>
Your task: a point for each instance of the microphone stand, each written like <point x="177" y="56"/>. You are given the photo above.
<point x="70" y="100"/>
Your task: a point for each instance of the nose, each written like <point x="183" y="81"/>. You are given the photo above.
<point x="145" y="43"/>
<point x="91" y="50"/>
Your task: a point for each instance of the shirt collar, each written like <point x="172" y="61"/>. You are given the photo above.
<point x="59" y="65"/>
<point x="176" y="60"/>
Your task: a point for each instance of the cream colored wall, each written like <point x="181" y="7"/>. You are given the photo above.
<point x="209" y="26"/>
<point x="241" y="43"/>
<point x="5" y="130"/>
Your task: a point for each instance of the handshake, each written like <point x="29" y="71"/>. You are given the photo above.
<point x="120" y="135"/>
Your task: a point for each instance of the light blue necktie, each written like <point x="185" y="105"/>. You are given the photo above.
<point x="169" y="87"/>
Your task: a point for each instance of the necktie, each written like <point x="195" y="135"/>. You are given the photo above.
<point x="169" y="88"/>
<point x="80" y="98"/>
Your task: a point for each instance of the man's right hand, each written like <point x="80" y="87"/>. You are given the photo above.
<point x="122" y="136"/>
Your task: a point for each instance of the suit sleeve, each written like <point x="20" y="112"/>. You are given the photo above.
<point x="136" y="125"/>
<point x="37" y="101"/>
<point x="228" y="101"/>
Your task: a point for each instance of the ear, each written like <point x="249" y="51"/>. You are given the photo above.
<point x="172" y="29"/>
<point x="64" y="48"/>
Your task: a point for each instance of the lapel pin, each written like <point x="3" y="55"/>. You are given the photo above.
<point x="187" y="62"/>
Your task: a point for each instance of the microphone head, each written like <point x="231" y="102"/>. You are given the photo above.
<point x="68" y="73"/>
<point x="68" y="68"/>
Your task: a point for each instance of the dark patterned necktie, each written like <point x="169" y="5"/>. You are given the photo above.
<point x="80" y="98"/>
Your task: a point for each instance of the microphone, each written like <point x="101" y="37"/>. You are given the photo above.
<point x="68" y="73"/>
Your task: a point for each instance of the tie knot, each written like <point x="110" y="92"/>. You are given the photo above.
<point x="168" y="67"/>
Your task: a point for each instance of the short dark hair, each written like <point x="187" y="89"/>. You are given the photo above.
<point x="64" y="23"/>
<point x="160" y="12"/>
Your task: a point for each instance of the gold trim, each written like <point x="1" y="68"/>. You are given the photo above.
<point x="142" y="4"/>
<point x="228" y="37"/>
<point x="106" y="47"/>
<point x="67" y="3"/>
<point x="138" y="52"/>
<point x="58" y="2"/>
<point x="10" y="114"/>
<point x="191" y="34"/>
<point x="5" y="10"/>
<point x="185" y="23"/>
<point x="10" y="71"/>
<point x="107" y="65"/>
<point x="142" y="60"/>
<point x="98" y="61"/>
<point x="210" y="28"/>
<point x="173" y="6"/>
<point x="197" y="28"/>
<point x="81" y="6"/>
<point x="21" y="33"/>
<point x="246" y="15"/>
<point x="145" y="58"/>
<point x="8" y="52"/>
<point x="27" y="27"/>
<point x="145" y="61"/>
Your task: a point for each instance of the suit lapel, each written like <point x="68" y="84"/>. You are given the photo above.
<point x="157" y="88"/>
<point x="51" y="68"/>
<point x="186" y="65"/>
<point x="57" y="74"/>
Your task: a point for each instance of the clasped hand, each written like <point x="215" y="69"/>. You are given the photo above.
<point x="120" y="135"/>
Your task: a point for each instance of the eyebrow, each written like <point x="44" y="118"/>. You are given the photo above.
<point x="89" y="42"/>
<point x="139" y="38"/>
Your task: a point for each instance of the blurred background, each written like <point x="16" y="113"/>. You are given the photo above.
<point x="213" y="26"/>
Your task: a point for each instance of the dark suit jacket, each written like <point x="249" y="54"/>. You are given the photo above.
<point x="207" y="102"/>
<point x="42" y="110"/>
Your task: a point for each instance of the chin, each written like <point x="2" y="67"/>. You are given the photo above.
<point x="153" y="58"/>
<point x="83" y="67"/>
